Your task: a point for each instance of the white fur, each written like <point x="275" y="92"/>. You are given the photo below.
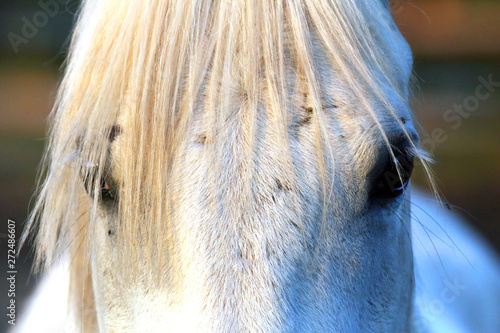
<point x="452" y="294"/>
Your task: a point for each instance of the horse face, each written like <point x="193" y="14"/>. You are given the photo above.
<point x="256" y="247"/>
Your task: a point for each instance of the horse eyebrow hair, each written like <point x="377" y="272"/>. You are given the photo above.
<point x="115" y="131"/>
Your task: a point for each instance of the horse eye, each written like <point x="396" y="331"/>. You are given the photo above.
<point x="107" y="188"/>
<point x="107" y="193"/>
<point x="396" y="175"/>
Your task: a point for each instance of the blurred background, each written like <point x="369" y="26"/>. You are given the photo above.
<point x="457" y="49"/>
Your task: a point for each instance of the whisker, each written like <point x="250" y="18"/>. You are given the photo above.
<point x="67" y="230"/>
<point x="414" y="216"/>
<point x="61" y="253"/>
<point x="422" y="244"/>
<point x="446" y="233"/>
<point x="420" y="10"/>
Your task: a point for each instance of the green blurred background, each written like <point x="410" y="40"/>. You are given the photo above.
<point x="455" y="42"/>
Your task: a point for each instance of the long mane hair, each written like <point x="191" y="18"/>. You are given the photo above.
<point x="158" y="64"/>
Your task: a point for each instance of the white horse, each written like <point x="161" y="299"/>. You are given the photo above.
<point x="233" y="166"/>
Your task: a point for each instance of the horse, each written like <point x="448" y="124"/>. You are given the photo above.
<point x="232" y="166"/>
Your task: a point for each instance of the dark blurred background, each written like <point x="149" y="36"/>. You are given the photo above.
<point x="456" y="45"/>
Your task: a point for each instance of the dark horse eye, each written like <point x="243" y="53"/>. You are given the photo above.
<point x="106" y="192"/>
<point x="396" y="175"/>
<point x="106" y="187"/>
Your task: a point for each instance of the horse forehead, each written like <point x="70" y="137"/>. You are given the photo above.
<point x="335" y="92"/>
<point x="397" y="52"/>
<point x="350" y="115"/>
